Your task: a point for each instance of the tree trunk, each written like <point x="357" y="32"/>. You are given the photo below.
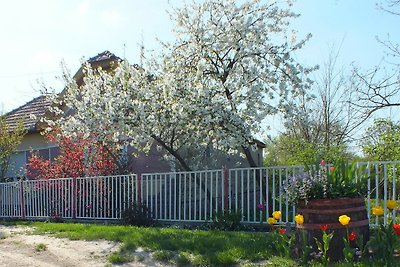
<point x="249" y="157"/>
<point x="121" y="169"/>
<point x="182" y="162"/>
<point x="172" y="152"/>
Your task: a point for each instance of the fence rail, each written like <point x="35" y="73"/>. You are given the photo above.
<point x="179" y="196"/>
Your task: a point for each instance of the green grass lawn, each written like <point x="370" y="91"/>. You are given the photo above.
<point x="180" y="247"/>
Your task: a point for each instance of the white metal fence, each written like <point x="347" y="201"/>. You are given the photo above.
<point x="179" y="196"/>
<point x="10" y="199"/>
<point x="183" y="196"/>
<point x="80" y="198"/>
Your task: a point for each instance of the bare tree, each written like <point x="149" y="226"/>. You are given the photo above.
<point x="326" y="119"/>
<point x="376" y="90"/>
<point x="379" y="88"/>
<point x="338" y="118"/>
<point x="390" y="6"/>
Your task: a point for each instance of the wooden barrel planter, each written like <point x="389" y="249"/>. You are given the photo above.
<point x="319" y="212"/>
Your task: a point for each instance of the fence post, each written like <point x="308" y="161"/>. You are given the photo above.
<point x="21" y="185"/>
<point x="139" y="185"/>
<point x="226" y="189"/>
<point x="74" y="198"/>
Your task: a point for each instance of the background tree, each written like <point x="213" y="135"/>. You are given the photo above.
<point x="319" y="123"/>
<point x="284" y="150"/>
<point x="379" y="88"/>
<point x="390" y="6"/>
<point x="381" y="141"/>
<point x="9" y="141"/>
<point x="230" y="66"/>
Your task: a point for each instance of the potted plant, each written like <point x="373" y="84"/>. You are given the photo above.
<point x="324" y="193"/>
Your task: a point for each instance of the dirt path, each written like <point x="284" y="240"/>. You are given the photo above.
<point x="17" y="248"/>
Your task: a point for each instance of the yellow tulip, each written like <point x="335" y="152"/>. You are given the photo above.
<point x="276" y="214"/>
<point x="299" y="219"/>
<point x="344" y="219"/>
<point x="271" y="220"/>
<point x="391" y="204"/>
<point x="377" y="210"/>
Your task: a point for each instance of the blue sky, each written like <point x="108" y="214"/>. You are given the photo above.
<point x="354" y="23"/>
<point x="38" y="35"/>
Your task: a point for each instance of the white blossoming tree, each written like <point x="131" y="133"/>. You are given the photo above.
<point x="236" y="61"/>
<point x="230" y="66"/>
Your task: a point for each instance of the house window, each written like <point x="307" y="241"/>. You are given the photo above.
<point x="17" y="165"/>
<point x="54" y="153"/>
<point x="49" y="153"/>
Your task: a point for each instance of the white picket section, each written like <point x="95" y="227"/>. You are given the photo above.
<point x="48" y="198"/>
<point x="180" y="196"/>
<point x="104" y="197"/>
<point x="80" y="198"/>
<point x="10" y="200"/>
<point x="183" y="196"/>
<point x="253" y="186"/>
<point x="383" y="184"/>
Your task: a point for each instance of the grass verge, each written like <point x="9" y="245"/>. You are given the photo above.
<point x="180" y="247"/>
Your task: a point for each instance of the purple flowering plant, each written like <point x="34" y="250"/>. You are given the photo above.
<point x="306" y="185"/>
<point x="326" y="181"/>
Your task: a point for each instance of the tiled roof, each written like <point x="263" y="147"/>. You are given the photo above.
<point x="106" y="55"/>
<point x="36" y="107"/>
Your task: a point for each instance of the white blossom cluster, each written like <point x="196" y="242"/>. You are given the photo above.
<point x="230" y="66"/>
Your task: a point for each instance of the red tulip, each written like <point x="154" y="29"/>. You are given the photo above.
<point x="396" y="228"/>
<point x="352" y="236"/>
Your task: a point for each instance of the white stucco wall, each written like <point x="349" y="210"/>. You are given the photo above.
<point x="30" y="142"/>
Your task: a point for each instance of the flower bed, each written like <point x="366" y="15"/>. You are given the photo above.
<point x="382" y="248"/>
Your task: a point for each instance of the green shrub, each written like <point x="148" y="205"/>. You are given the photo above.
<point x="228" y="220"/>
<point x="138" y="215"/>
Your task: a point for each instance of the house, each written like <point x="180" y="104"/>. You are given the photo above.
<point x="28" y="114"/>
<point x="31" y="113"/>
